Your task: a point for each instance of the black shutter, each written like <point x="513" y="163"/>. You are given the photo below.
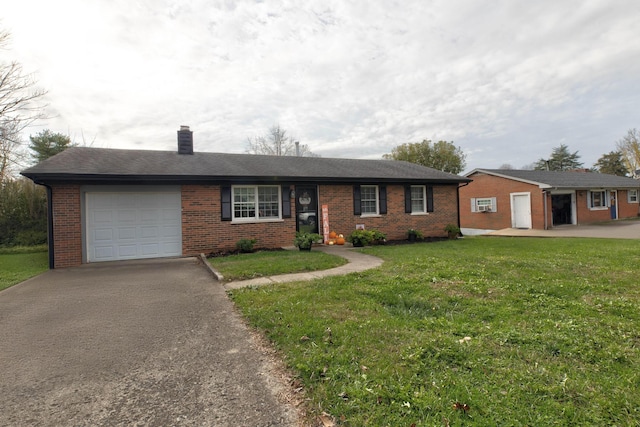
<point x="357" y="208"/>
<point x="407" y="199"/>
<point x="225" y="196"/>
<point x="429" y="198"/>
<point x="286" y="202"/>
<point x="383" y="199"/>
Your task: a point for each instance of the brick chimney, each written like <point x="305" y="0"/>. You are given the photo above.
<point x="185" y="140"/>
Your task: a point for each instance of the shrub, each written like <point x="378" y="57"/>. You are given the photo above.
<point x="362" y="237"/>
<point x="245" y="245"/>
<point x="304" y="240"/>
<point x="415" y="234"/>
<point x="452" y="230"/>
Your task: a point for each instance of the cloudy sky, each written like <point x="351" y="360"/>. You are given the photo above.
<point x="506" y="80"/>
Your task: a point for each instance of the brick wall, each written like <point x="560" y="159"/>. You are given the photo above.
<point x="396" y="222"/>
<point x="203" y="230"/>
<point x="484" y="185"/>
<point x="67" y="225"/>
<point x="586" y="215"/>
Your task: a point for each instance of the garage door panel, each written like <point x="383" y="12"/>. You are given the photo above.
<point x="127" y="233"/>
<point x="149" y="232"/>
<point x="103" y="234"/>
<point x="133" y="225"/>
<point x="174" y="232"/>
<point x="103" y="253"/>
<point x="152" y="249"/>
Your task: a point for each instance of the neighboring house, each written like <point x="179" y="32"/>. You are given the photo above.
<point x="498" y="199"/>
<point x="107" y="204"/>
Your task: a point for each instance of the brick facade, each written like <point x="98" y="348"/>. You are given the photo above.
<point x="204" y="231"/>
<point x="395" y="222"/>
<point x="486" y="185"/>
<point x="67" y="225"/>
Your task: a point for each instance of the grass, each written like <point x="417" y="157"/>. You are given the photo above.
<point x="473" y="332"/>
<point x="19" y="264"/>
<point x="271" y="263"/>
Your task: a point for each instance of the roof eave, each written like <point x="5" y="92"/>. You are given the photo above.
<point x="43" y="178"/>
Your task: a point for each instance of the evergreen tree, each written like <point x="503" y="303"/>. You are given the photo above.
<point x="46" y="144"/>
<point x="561" y="160"/>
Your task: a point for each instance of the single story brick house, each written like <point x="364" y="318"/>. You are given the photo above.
<point x="115" y="204"/>
<point x="498" y="199"/>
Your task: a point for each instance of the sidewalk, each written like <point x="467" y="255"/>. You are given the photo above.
<point x="356" y="262"/>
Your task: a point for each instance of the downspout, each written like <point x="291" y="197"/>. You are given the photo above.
<point x="458" y="199"/>
<point x="50" y="225"/>
<point x="546" y="222"/>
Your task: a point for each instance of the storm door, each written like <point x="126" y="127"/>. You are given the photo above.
<point x="307" y="208"/>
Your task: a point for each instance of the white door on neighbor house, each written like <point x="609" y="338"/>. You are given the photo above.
<point x="521" y="210"/>
<point x="132" y="225"/>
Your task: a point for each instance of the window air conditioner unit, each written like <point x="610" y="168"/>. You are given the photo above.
<point x="484" y="208"/>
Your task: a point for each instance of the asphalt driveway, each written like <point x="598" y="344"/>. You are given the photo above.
<point x="136" y="343"/>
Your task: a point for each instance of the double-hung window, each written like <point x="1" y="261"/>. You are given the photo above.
<point x="632" y="196"/>
<point x="255" y="203"/>
<point x="369" y="199"/>
<point x="418" y="199"/>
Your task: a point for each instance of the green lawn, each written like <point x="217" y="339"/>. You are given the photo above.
<point x="18" y="264"/>
<point x="473" y="332"/>
<point x="270" y="263"/>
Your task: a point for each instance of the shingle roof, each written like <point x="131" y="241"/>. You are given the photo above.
<point x="102" y="164"/>
<point x="566" y="180"/>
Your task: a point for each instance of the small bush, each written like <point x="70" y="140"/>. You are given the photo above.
<point x="245" y="245"/>
<point x="366" y="237"/>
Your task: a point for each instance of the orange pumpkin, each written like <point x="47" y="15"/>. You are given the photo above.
<point x="340" y="241"/>
<point x="333" y="235"/>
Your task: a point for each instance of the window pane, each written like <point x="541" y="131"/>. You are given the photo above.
<point x="369" y="199"/>
<point x="417" y="198"/>
<point x="244" y="205"/>
<point x="598" y="199"/>
<point x="268" y="202"/>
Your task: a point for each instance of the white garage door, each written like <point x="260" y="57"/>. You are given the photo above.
<point x="133" y="225"/>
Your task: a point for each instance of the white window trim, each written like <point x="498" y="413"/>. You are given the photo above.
<point x="629" y="196"/>
<point x="424" y="200"/>
<point x="475" y="206"/>
<point x="377" y="192"/>
<point x="605" y="200"/>
<point x="255" y="218"/>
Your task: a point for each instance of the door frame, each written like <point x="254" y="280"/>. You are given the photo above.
<point x="613" y="204"/>
<point x="298" y="212"/>
<point x="514" y="213"/>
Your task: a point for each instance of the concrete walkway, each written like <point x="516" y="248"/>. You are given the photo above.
<point x="609" y="230"/>
<point x="357" y="261"/>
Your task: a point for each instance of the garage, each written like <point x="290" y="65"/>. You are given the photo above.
<point x="132" y="225"/>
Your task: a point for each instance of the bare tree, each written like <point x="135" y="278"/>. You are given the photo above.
<point x="277" y="143"/>
<point x="506" y="166"/>
<point x="17" y="109"/>
<point x="629" y="146"/>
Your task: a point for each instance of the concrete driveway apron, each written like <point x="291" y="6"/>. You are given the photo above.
<point x="134" y="343"/>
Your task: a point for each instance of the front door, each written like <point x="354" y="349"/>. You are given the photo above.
<point x="521" y="210"/>
<point x="307" y="208"/>
<point x="613" y="205"/>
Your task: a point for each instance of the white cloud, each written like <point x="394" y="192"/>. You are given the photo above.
<point x="504" y="80"/>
